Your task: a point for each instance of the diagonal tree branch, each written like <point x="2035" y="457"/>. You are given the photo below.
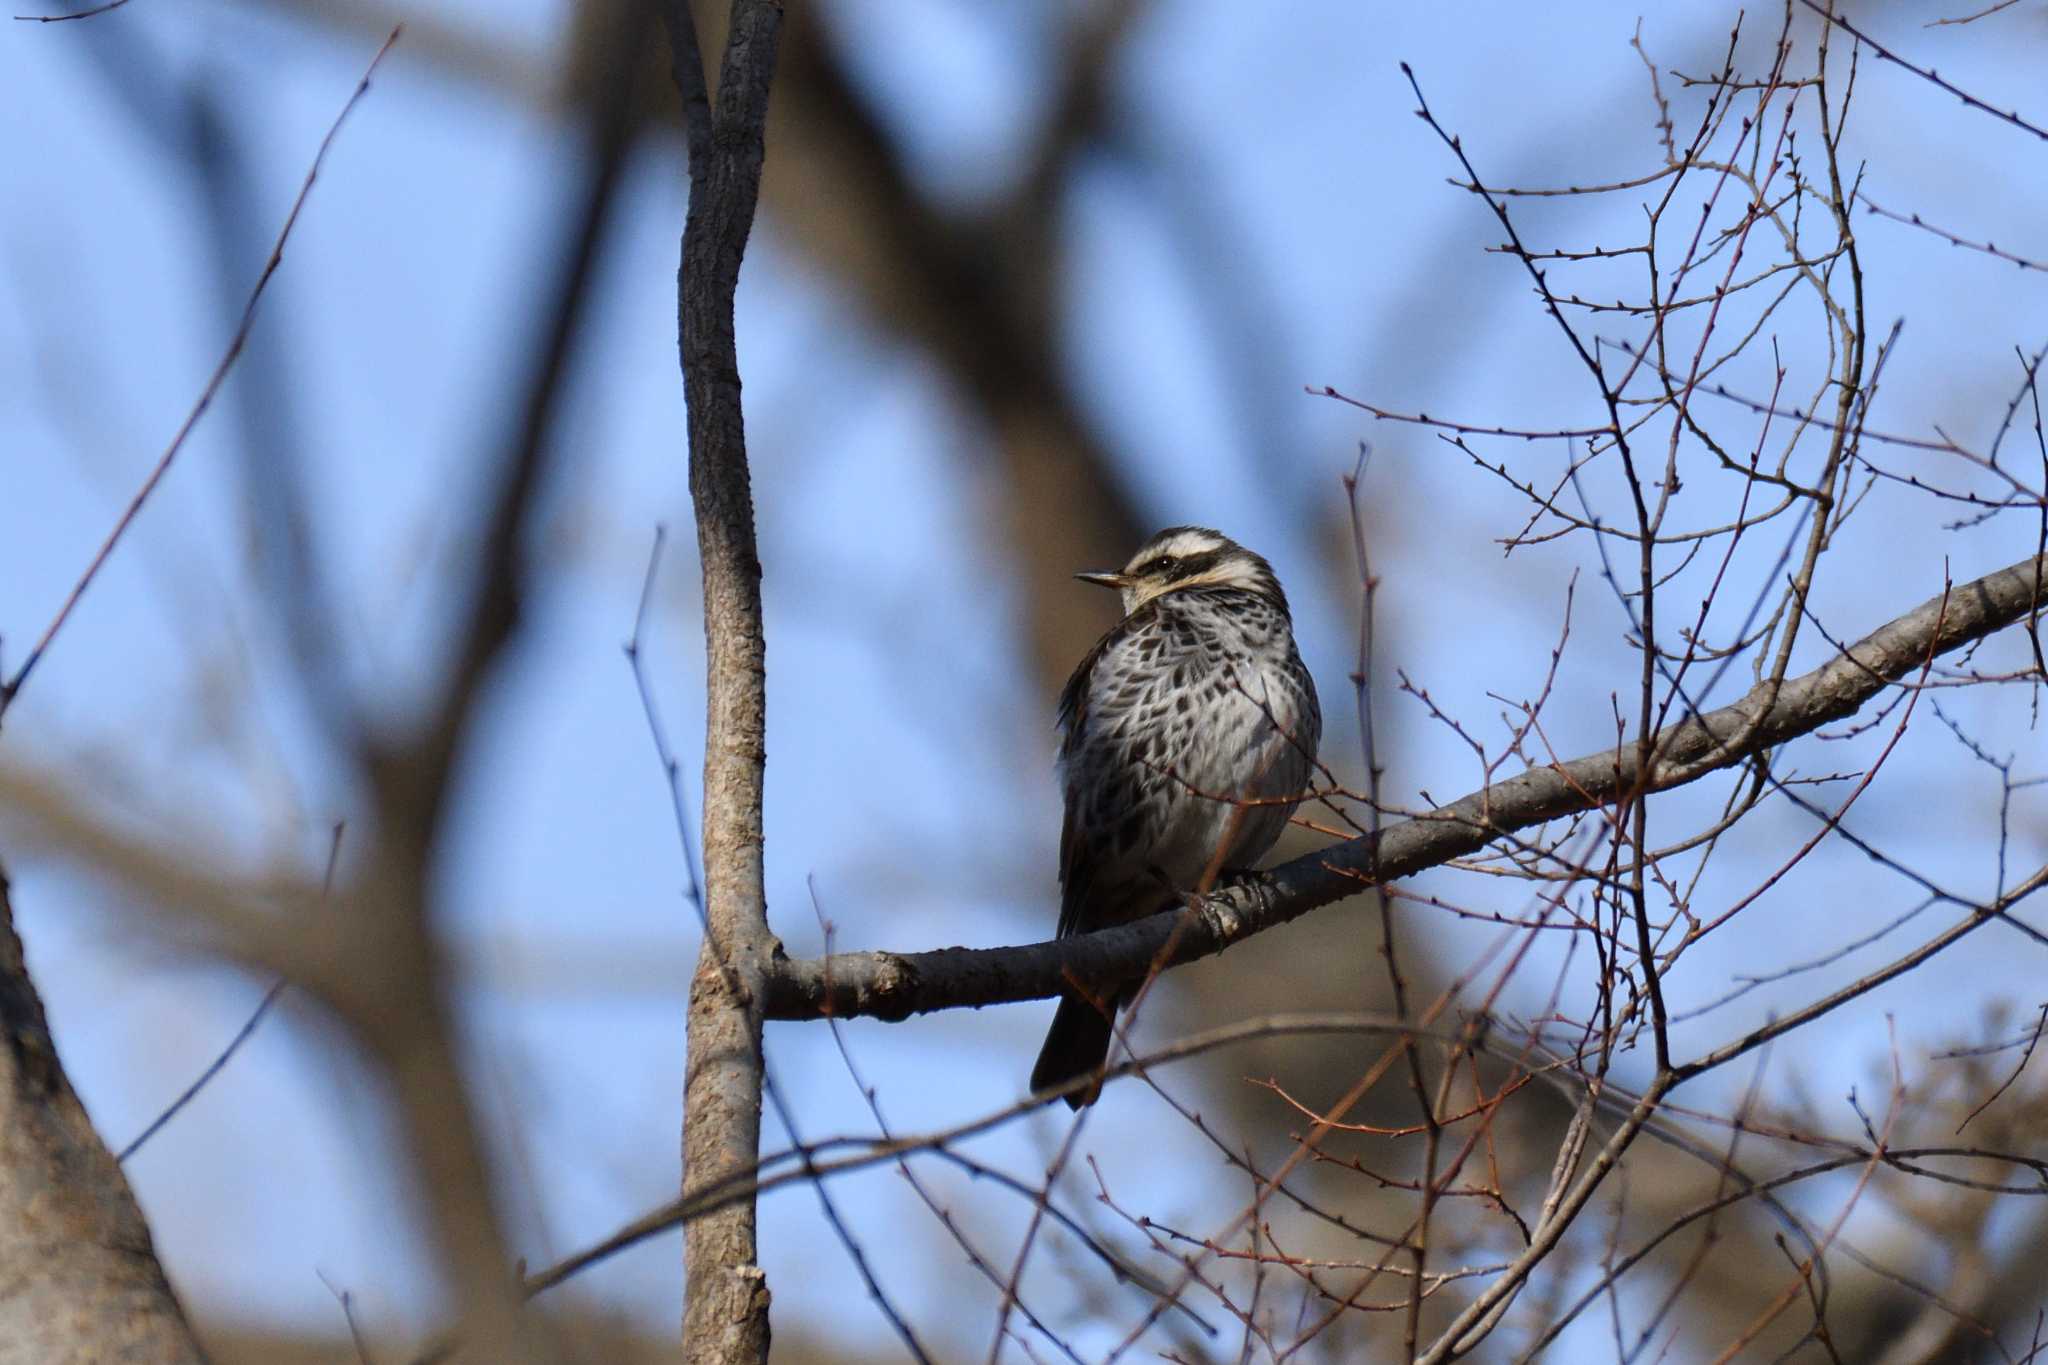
<point x="228" y="914"/>
<point x="897" y="985"/>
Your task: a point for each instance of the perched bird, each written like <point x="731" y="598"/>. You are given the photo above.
<point x="1187" y="738"/>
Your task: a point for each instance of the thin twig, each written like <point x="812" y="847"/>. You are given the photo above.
<point x="12" y="687"/>
<point x="242" y="1035"/>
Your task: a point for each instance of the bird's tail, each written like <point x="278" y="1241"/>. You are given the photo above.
<point x="1076" y="1045"/>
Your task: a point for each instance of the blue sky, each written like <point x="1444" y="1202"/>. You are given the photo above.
<point x="910" y="782"/>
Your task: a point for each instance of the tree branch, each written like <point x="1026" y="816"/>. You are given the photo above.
<point x="977" y="292"/>
<point x="725" y="1314"/>
<point x="897" y="985"/>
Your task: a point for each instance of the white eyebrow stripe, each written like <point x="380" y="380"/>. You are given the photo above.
<point x="1187" y="543"/>
<point x="1229" y="574"/>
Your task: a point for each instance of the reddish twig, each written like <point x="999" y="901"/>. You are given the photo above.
<point x="12" y="687"/>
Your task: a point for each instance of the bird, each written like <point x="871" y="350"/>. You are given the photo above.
<point x="1187" y="737"/>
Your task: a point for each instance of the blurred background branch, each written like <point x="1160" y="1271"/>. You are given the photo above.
<point x="1028" y="282"/>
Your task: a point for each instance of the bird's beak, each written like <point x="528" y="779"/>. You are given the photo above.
<point x="1104" y="580"/>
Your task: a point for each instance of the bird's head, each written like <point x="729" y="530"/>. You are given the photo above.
<point x="1189" y="557"/>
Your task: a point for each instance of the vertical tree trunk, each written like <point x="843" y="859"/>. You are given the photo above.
<point x="725" y="1315"/>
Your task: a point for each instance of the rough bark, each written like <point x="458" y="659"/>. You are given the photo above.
<point x="79" y="1277"/>
<point x="725" y="1314"/>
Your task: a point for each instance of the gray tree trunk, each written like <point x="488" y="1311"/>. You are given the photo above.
<point x="79" y="1278"/>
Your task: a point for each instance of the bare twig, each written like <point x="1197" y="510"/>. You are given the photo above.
<point x="242" y="1035"/>
<point x="1926" y="73"/>
<point x="107" y="7"/>
<point x="11" y="689"/>
<point x="896" y="985"/>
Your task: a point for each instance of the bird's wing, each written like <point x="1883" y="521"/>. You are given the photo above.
<point x="1076" y="879"/>
<point x="1308" y="737"/>
<point x="1078" y="857"/>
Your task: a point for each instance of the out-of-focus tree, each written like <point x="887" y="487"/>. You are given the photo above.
<point x="1750" y="760"/>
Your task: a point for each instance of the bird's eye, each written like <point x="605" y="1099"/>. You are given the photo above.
<point x="1165" y="565"/>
